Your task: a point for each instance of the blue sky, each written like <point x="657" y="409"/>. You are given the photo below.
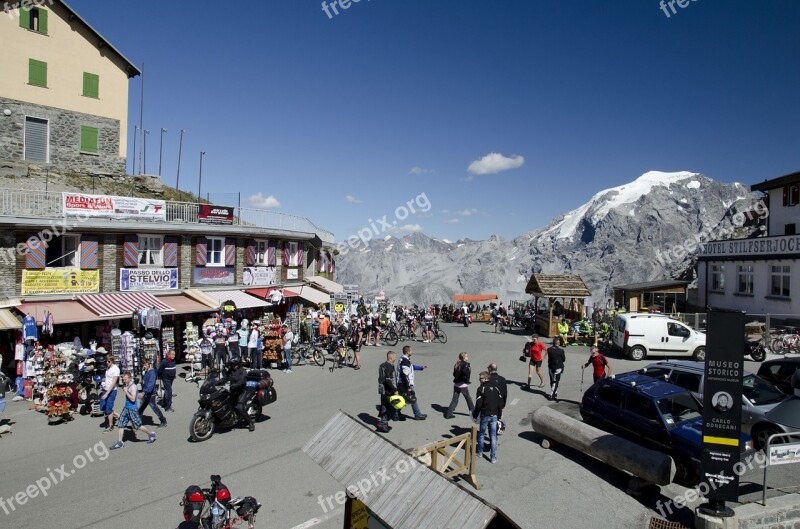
<point x="309" y="109"/>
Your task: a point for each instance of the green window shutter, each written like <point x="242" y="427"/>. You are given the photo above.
<point x="24" y="18"/>
<point x="91" y="85"/>
<point x="88" y="139"/>
<point x="37" y="72"/>
<point x="43" y="21"/>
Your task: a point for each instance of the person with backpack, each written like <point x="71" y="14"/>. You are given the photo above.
<point x="488" y="410"/>
<point x="461" y="374"/>
<point x="537" y="350"/>
<point x="599" y="364"/>
<point x="387" y="387"/>
<point x="555" y="364"/>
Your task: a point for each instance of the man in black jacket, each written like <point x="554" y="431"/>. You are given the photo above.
<point x="167" y="371"/>
<point x="387" y="386"/>
<point x="240" y="393"/>
<point x="498" y="381"/>
<point x="489" y="406"/>
<point x="555" y="364"/>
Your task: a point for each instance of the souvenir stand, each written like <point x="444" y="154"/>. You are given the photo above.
<point x="191" y="350"/>
<point x="271" y="339"/>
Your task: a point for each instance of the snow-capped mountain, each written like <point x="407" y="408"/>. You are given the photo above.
<point x="622" y="235"/>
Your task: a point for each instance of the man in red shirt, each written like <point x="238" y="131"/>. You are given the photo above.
<point x="537" y="353"/>
<point x="599" y="363"/>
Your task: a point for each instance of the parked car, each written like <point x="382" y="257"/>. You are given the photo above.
<point x="759" y="396"/>
<point x="654" y="413"/>
<point x="779" y="372"/>
<point x="641" y="335"/>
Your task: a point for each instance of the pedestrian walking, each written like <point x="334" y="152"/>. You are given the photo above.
<point x="601" y="366"/>
<point x="109" y="392"/>
<point x="537" y="351"/>
<point x="288" y="337"/>
<point x="489" y="405"/>
<point x="500" y="382"/>
<point x="148" y="396"/>
<point x="461" y="375"/>
<point x="130" y="414"/>
<point x="356" y="337"/>
<point x="555" y="364"/>
<point x="405" y="384"/>
<point x="252" y="345"/>
<point x="258" y="357"/>
<point x="167" y="371"/>
<point x="387" y="387"/>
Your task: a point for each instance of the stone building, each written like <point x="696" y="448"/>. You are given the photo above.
<point x="63" y="92"/>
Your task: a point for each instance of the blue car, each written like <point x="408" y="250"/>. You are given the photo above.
<point x="654" y="414"/>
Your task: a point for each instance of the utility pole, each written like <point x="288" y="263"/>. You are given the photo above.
<point x="200" y="182"/>
<point x="144" y="145"/>
<point x="141" y="120"/>
<point x="135" y="134"/>
<point x="180" y="148"/>
<point x="161" y="149"/>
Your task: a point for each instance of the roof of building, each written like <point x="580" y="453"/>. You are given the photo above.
<point x="132" y="70"/>
<point x="781" y="181"/>
<point x="557" y="286"/>
<point x="653" y="285"/>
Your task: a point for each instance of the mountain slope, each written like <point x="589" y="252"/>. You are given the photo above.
<point x="622" y="235"/>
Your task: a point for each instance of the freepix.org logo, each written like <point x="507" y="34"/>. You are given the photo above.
<point x="10" y="8"/>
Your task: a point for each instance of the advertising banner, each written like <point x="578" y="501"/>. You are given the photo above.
<point x="60" y="282"/>
<point x="214" y="276"/>
<point x="784" y="454"/>
<point x="258" y="275"/>
<point x="140" y="279"/>
<point x="210" y="214"/>
<point x="292" y="273"/>
<point x="722" y="403"/>
<point x="114" y="207"/>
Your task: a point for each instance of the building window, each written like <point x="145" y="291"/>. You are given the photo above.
<point x="779" y="279"/>
<point x="91" y="85"/>
<point x="37" y="139"/>
<point x="37" y="73"/>
<point x="262" y="249"/>
<point x="64" y="252"/>
<point x="89" y="139"/>
<point x="718" y="278"/>
<point x="744" y="279"/>
<point x="34" y="19"/>
<point x="791" y="195"/>
<point x="293" y="254"/>
<point x="215" y="251"/>
<point x="151" y="250"/>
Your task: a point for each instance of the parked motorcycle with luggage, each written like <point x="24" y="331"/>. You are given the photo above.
<point x="218" y="406"/>
<point x="756" y="349"/>
<point x="213" y="508"/>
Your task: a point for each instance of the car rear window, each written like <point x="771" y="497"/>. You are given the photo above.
<point x="761" y="392"/>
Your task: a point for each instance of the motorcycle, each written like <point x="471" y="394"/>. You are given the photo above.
<point x="756" y="349"/>
<point x="213" y="508"/>
<point x="218" y="407"/>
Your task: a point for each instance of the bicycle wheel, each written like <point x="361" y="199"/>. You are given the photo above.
<point x="390" y="338"/>
<point x="350" y="358"/>
<point x="441" y="336"/>
<point x="319" y="356"/>
<point x="778" y="347"/>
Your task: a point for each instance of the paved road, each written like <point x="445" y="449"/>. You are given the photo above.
<point x="141" y="485"/>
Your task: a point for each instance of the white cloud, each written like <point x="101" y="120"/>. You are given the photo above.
<point x="406" y="228"/>
<point x="352" y="199"/>
<point x="494" y="163"/>
<point x="466" y="212"/>
<point x="451" y="221"/>
<point x="421" y="170"/>
<point x="260" y="201"/>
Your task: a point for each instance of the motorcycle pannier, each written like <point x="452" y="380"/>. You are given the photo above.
<point x="193" y="501"/>
<point x="268" y="396"/>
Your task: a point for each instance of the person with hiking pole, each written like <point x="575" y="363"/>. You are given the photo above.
<point x="600" y="364"/>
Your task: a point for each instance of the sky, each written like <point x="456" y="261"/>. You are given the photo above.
<point x="491" y="117"/>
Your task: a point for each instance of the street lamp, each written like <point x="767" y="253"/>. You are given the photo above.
<point x="161" y="149"/>
<point x="180" y="148"/>
<point x="200" y="182"/>
<point x="144" y="145"/>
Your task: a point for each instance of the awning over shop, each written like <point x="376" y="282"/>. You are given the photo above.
<point x="8" y="320"/>
<point x="202" y="297"/>
<point x="326" y="284"/>
<point x="474" y="297"/>
<point x="242" y="299"/>
<point x="265" y="293"/>
<point x="186" y="305"/>
<point x="313" y="295"/>
<point x="115" y="305"/>
<point x="8" y="303"/>
<point x="62" y="311"/>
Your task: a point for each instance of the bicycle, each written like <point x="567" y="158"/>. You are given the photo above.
<point x="787" y="342"/>
<point x="390" y="335"/>
<point x="439" y="334"/>
<point x="307" y="352"/>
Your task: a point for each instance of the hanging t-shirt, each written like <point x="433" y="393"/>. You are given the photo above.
<point x="29" y="330"/>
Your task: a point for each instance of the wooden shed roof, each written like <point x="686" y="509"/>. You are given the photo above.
<point x="350" y="452"/>
<point x="557" y="286"/>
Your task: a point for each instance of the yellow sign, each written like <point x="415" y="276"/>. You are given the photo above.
<point x="339" y="307"/>
<point x="60" y="282"/>
<point x="362" y="518"/>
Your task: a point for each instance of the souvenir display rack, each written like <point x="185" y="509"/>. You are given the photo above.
<point x="271" y="339"/>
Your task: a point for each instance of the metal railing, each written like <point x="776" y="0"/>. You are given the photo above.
<point x="16" y="203"/>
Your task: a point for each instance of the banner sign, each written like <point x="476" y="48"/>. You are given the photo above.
<point x="784" y="454"/>
<point x="722" y="403"/>
<point x="214" y="276"/>
<point x="60" y="282"/>
<point x="139" y="279"/>
<point x="292" y="273"/>
<point x="258" y="275"/>
<point x="209" y="214"/>
<point x="115" y="207"/>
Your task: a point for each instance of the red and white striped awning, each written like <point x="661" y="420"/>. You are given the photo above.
<point x="113" y="305"/>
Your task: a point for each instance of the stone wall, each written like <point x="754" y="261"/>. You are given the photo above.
<point x="8" y="264"/>
<point x="65" y="138"/>
<point x="108" y="262"/>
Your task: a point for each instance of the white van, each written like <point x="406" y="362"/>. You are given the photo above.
<point x="657" y="335"/>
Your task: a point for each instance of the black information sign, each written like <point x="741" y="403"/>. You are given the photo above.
<point x="722" y="404"/>
<point x="209" y="214"/>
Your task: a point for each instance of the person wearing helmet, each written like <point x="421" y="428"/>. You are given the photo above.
<point x="237" y="378"/>
<point x="387" y="388"/>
